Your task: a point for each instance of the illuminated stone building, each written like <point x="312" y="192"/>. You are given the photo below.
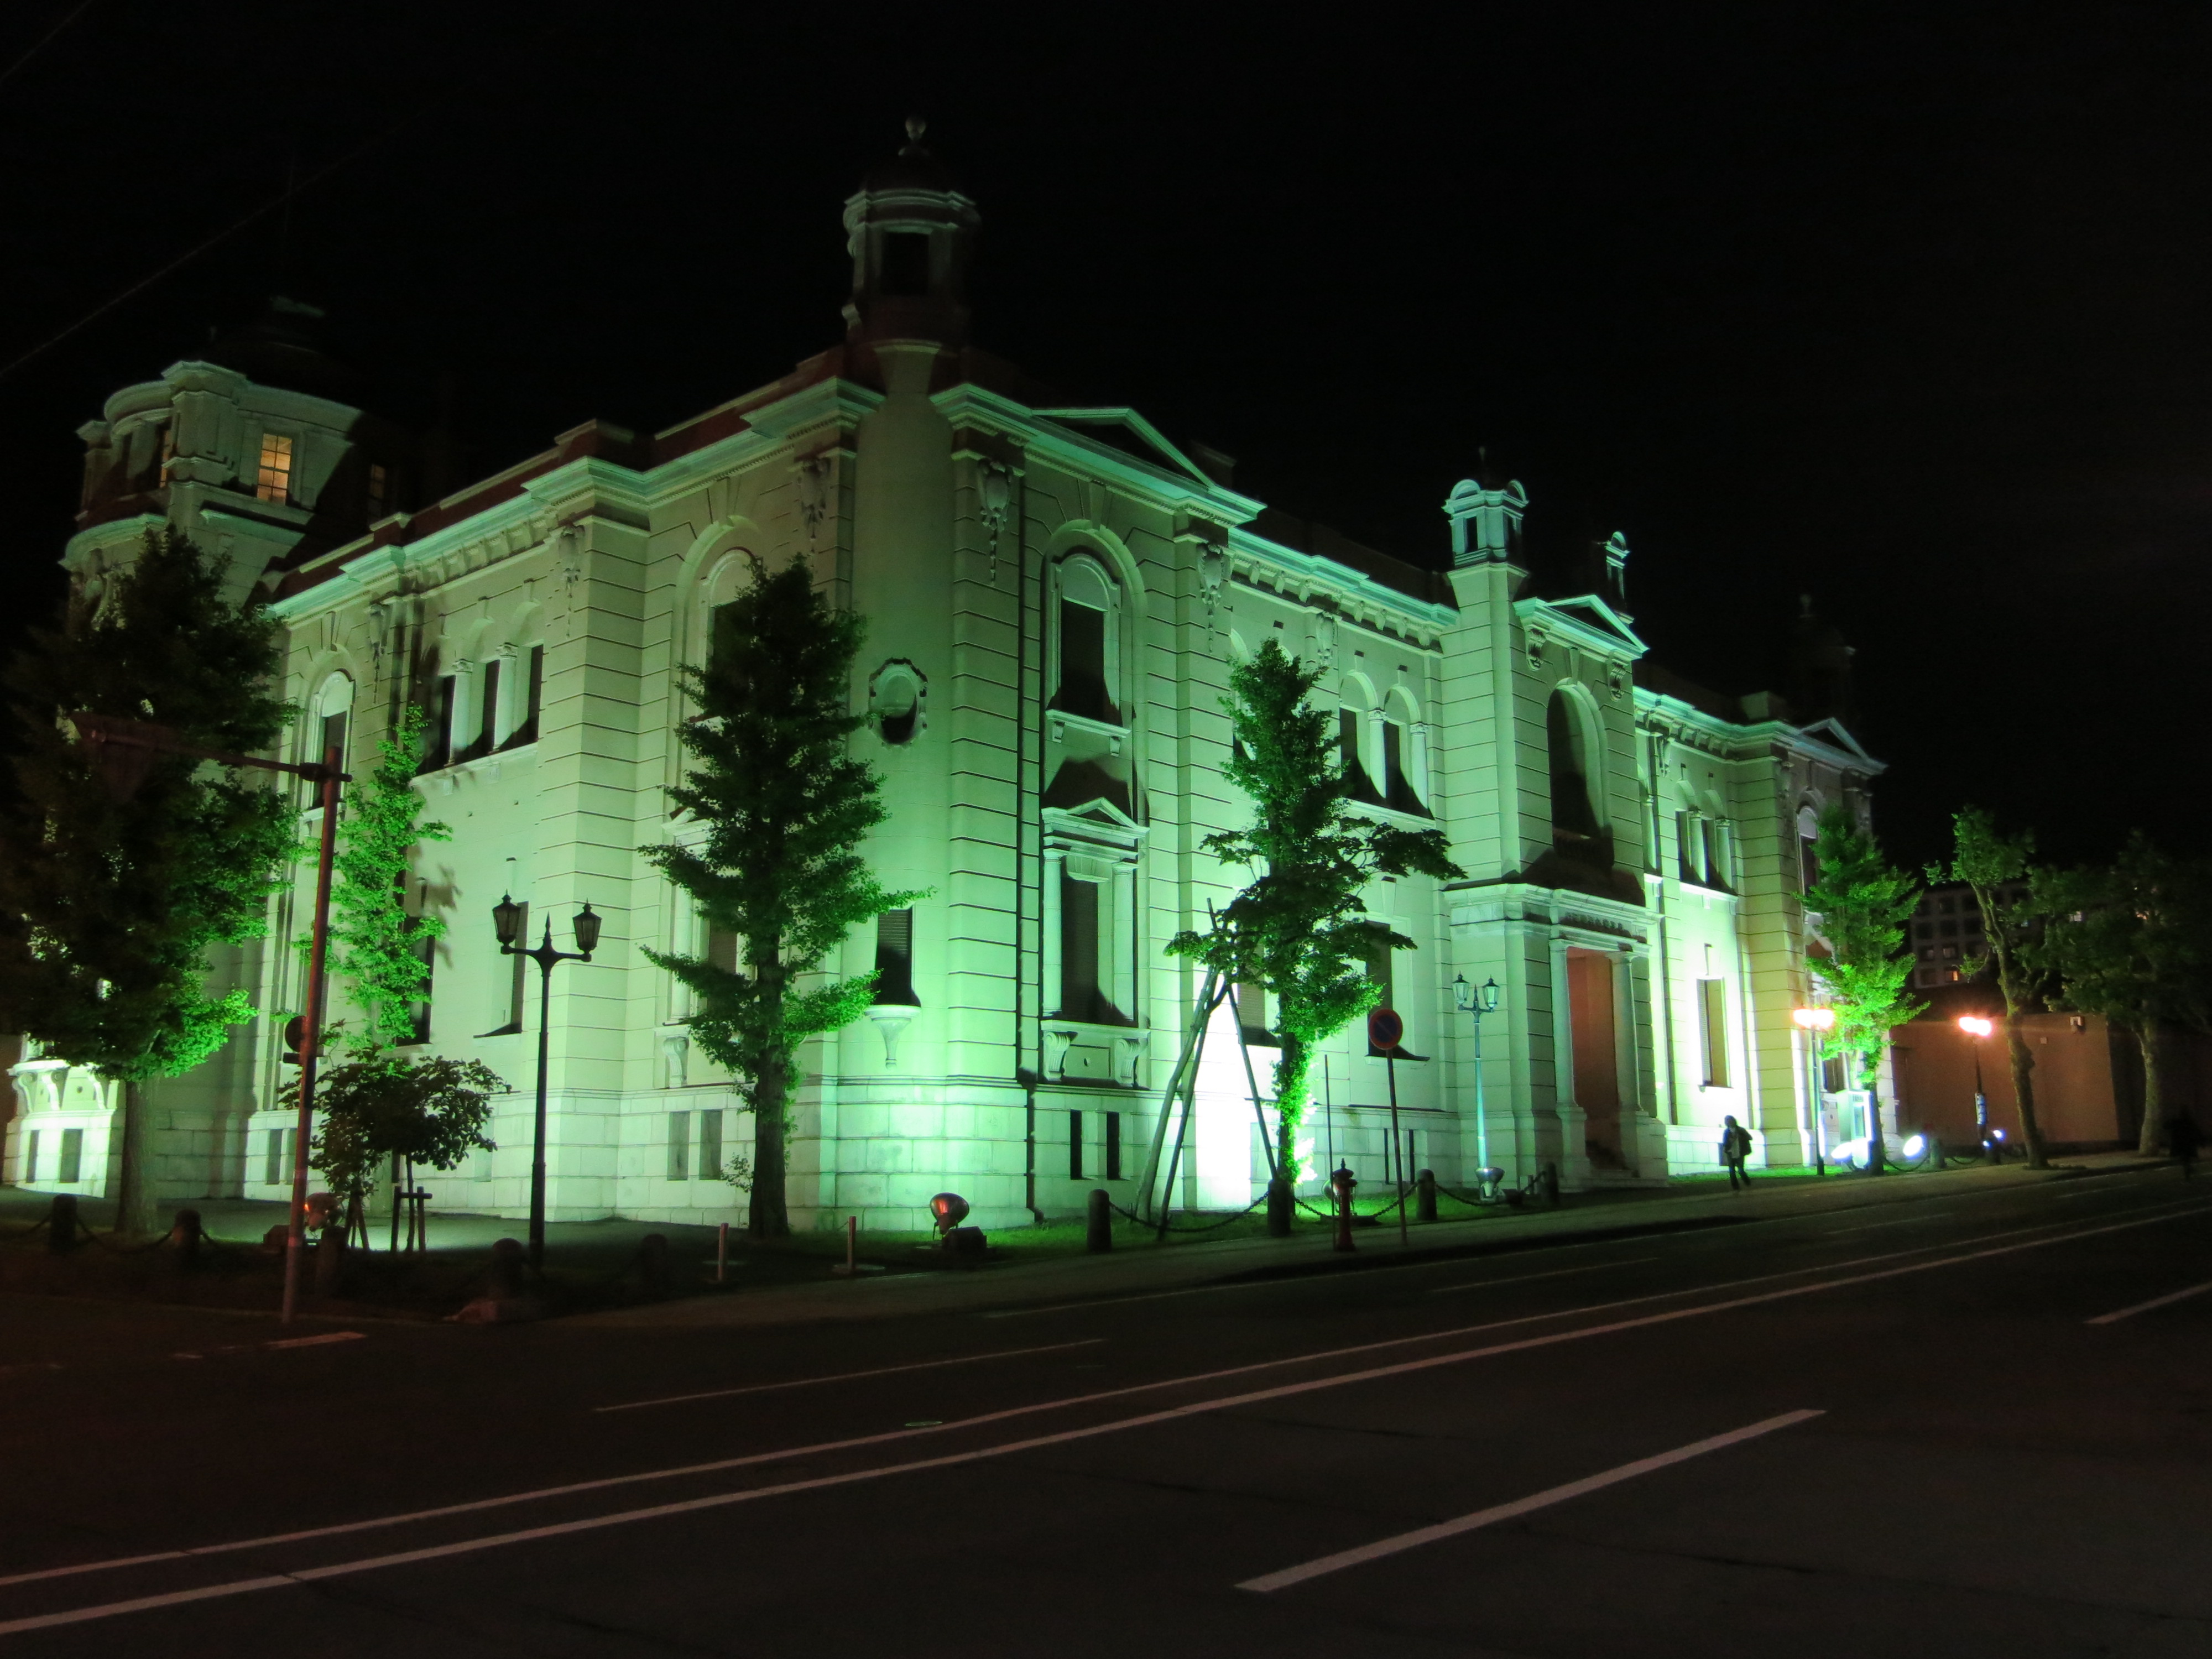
<point x="1055" y="598"/>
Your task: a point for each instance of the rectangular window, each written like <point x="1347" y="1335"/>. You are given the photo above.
<point x="439" y="750"/>
<point x="1690" y="845"/>
<point x="1347" y="738"/>
<point x="487" y="710"/>
<point x="1709" y="847"/>
<point x="679" y="1146"/>
<point x="894" y="958"/>
<point x="379" y="491"/>
<point x="1379" y="974"/>
<point x="278" y="1160"/>
<point x="1831" y="1072"/>
<point x="1079" y="951"/>
<point x="426" y="951"/>
<point x="1252" y="1014"/>
<point x="72" y="1157"/>
<point x="273" y="483"/>
<point x="1075" y="1145"/>
<point x="334" y="736"/>
<point x="30" y="1156"/>
<point x="1082" y="663"/>
<point x="1397" y="787"/>
<point x="722" y="948"/>
<point x="534" y="693"/>
<point x="906" y="263"/>
<point x="710" y="1146"/>
<point x="1712" y="1031"/>
<point x="1808" y="868"/>
<point x="1113" y="1145"/>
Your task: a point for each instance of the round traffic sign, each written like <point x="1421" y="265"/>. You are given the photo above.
<point x="1385" y="1030"/>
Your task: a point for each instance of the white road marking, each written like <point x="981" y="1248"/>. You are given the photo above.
<point x="1270" y="1582"/>
<point x="319" y="1341"/>
<point x="847" y="1377"/>
<point x="718" y="1500"/>
<point x="2145" y="1307"/>
<point x="1556" y="1272"/>
<point x="1902" y="1221"/>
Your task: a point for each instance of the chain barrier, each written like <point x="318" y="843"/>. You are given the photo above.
<point x="32" y="1228"/>
<point x="1211" y="1227"/>
<point x="124" y="1249"/>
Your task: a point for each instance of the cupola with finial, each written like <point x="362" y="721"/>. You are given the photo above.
<point x="1485" y="516"/>
<point x="910" y="234"/>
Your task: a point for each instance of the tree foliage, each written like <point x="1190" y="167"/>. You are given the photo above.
<point x="109" y="907"/>
<point x="430" y="1112"/>
<point x="784" y="809"/>
<point x="1864" y="903"/>
<point x="1299" y="928"/>
<point x="374" y="945"/>
<point x="2130" y="942"/>
<point x="1996" y="866"/>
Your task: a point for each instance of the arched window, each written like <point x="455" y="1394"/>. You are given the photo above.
<point x="1405" y="780"/>
<point x="897" y="698"/>
<point x="1808" y="837"/>
<point x="1575" y="828"/>
<point x="331" y="722"/>
<point x="1351" y="722"/>
<point x="1087" y="671"/>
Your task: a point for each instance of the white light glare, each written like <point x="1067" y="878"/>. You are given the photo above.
<point x="1914" y="1146"/>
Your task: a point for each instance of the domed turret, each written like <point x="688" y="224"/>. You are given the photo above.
<point x="1819" y="667"/>
<point x="910" y="234"/>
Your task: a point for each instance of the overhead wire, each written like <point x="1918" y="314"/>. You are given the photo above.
<point x="41" y="43"/>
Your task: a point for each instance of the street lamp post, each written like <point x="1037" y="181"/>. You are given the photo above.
<point x="1976" y="1029"/>
<point x="1478" y="1003"/>
<point x="506" y="918"/>
<point x="1814" y="1022"/>
<point x="124" y="751"/>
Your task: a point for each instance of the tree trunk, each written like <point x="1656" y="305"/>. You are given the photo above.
<point x="2023" y="1087"/>
<point x="1877" y="1153"/>
<point x="134" y="1210"/>
<point x="1293" y="1072"/>
<point x="769" y="1216"/>
<point x="2151" y="1141"/>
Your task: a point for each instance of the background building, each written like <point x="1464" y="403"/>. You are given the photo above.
<point x="1055" y="595"/>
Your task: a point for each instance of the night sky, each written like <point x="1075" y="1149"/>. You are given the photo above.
<point x="1906" y="308"/>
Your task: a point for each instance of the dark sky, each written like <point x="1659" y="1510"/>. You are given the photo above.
<point x="1905" y="307"/>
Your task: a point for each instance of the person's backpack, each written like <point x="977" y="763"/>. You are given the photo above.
<point x="1742" y="1138"/>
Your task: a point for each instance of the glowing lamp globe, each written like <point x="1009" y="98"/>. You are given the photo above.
<point x="1975" y="1026"/>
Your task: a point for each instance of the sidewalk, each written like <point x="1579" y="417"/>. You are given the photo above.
<point x="1150" y="1270"/>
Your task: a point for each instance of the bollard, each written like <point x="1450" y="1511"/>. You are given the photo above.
<point x="62" y="1225"/>
<point x="1282" y="1204"/>
<point x="852" y="1246"/>
<point x="1547" y="1181"/>
<point x="1341" y="1184"/>
<point x="722" y="1252"/>
<point x="652" y="1263"/>
<point x="187" y="1235"/>
<point x="505" y="1282"/>
<point x="1424" y="1196"/>
<point x="1098" y="1222"/>
<point x="330" y="1259"/>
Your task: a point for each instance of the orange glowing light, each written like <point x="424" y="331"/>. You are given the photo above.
<point x="1814" y="1019"/>
<point x="1975" y="1026"/>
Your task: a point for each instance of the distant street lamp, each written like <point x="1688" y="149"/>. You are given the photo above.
<point x="1815" y="1022"/>
<point x="506" y="918"/>
<point x="1976" y="1029"/>
<point x="1478" y="1003"/>
<point x="122" y="753"/>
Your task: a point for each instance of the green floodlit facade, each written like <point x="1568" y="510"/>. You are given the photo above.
<point x="1055" y="598"/>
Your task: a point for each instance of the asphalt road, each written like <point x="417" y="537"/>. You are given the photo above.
<point x="1949" y="1426"/>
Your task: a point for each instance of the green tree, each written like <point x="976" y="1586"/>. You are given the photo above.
<point x="374" y="945"/>
<point x="1991" y="862"/>
<point x="784" y="809"/>
<point x="380" y="1106"/>
<point x="1299" y="928"/>
<point x="111" y="896"/>
<point x="1863" y="902"/>
<point x="2130" y="942"/>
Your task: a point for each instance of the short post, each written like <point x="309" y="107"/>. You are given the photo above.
<point x="1341" y="1184"/>
<point x="1098" y="1222"/>
<point x="504" y="1283"/>
<point x="62" y="1225"/>
<point x="1282" y="1206"/>
<point x="851" y="1245"/>
<point x="721" y="1252"/>
<point x="187" y="1233"/>
<point x="1424" y="1196"/>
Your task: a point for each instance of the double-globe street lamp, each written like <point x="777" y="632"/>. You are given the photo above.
<point x="1478" y="1003"/>
<point x="506" y="918"/>
<point x="1815" y="1022"/>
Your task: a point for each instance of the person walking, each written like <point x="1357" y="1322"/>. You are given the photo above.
<point x="2183" y="1138"/>
<point x="1735" y="1147"/>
